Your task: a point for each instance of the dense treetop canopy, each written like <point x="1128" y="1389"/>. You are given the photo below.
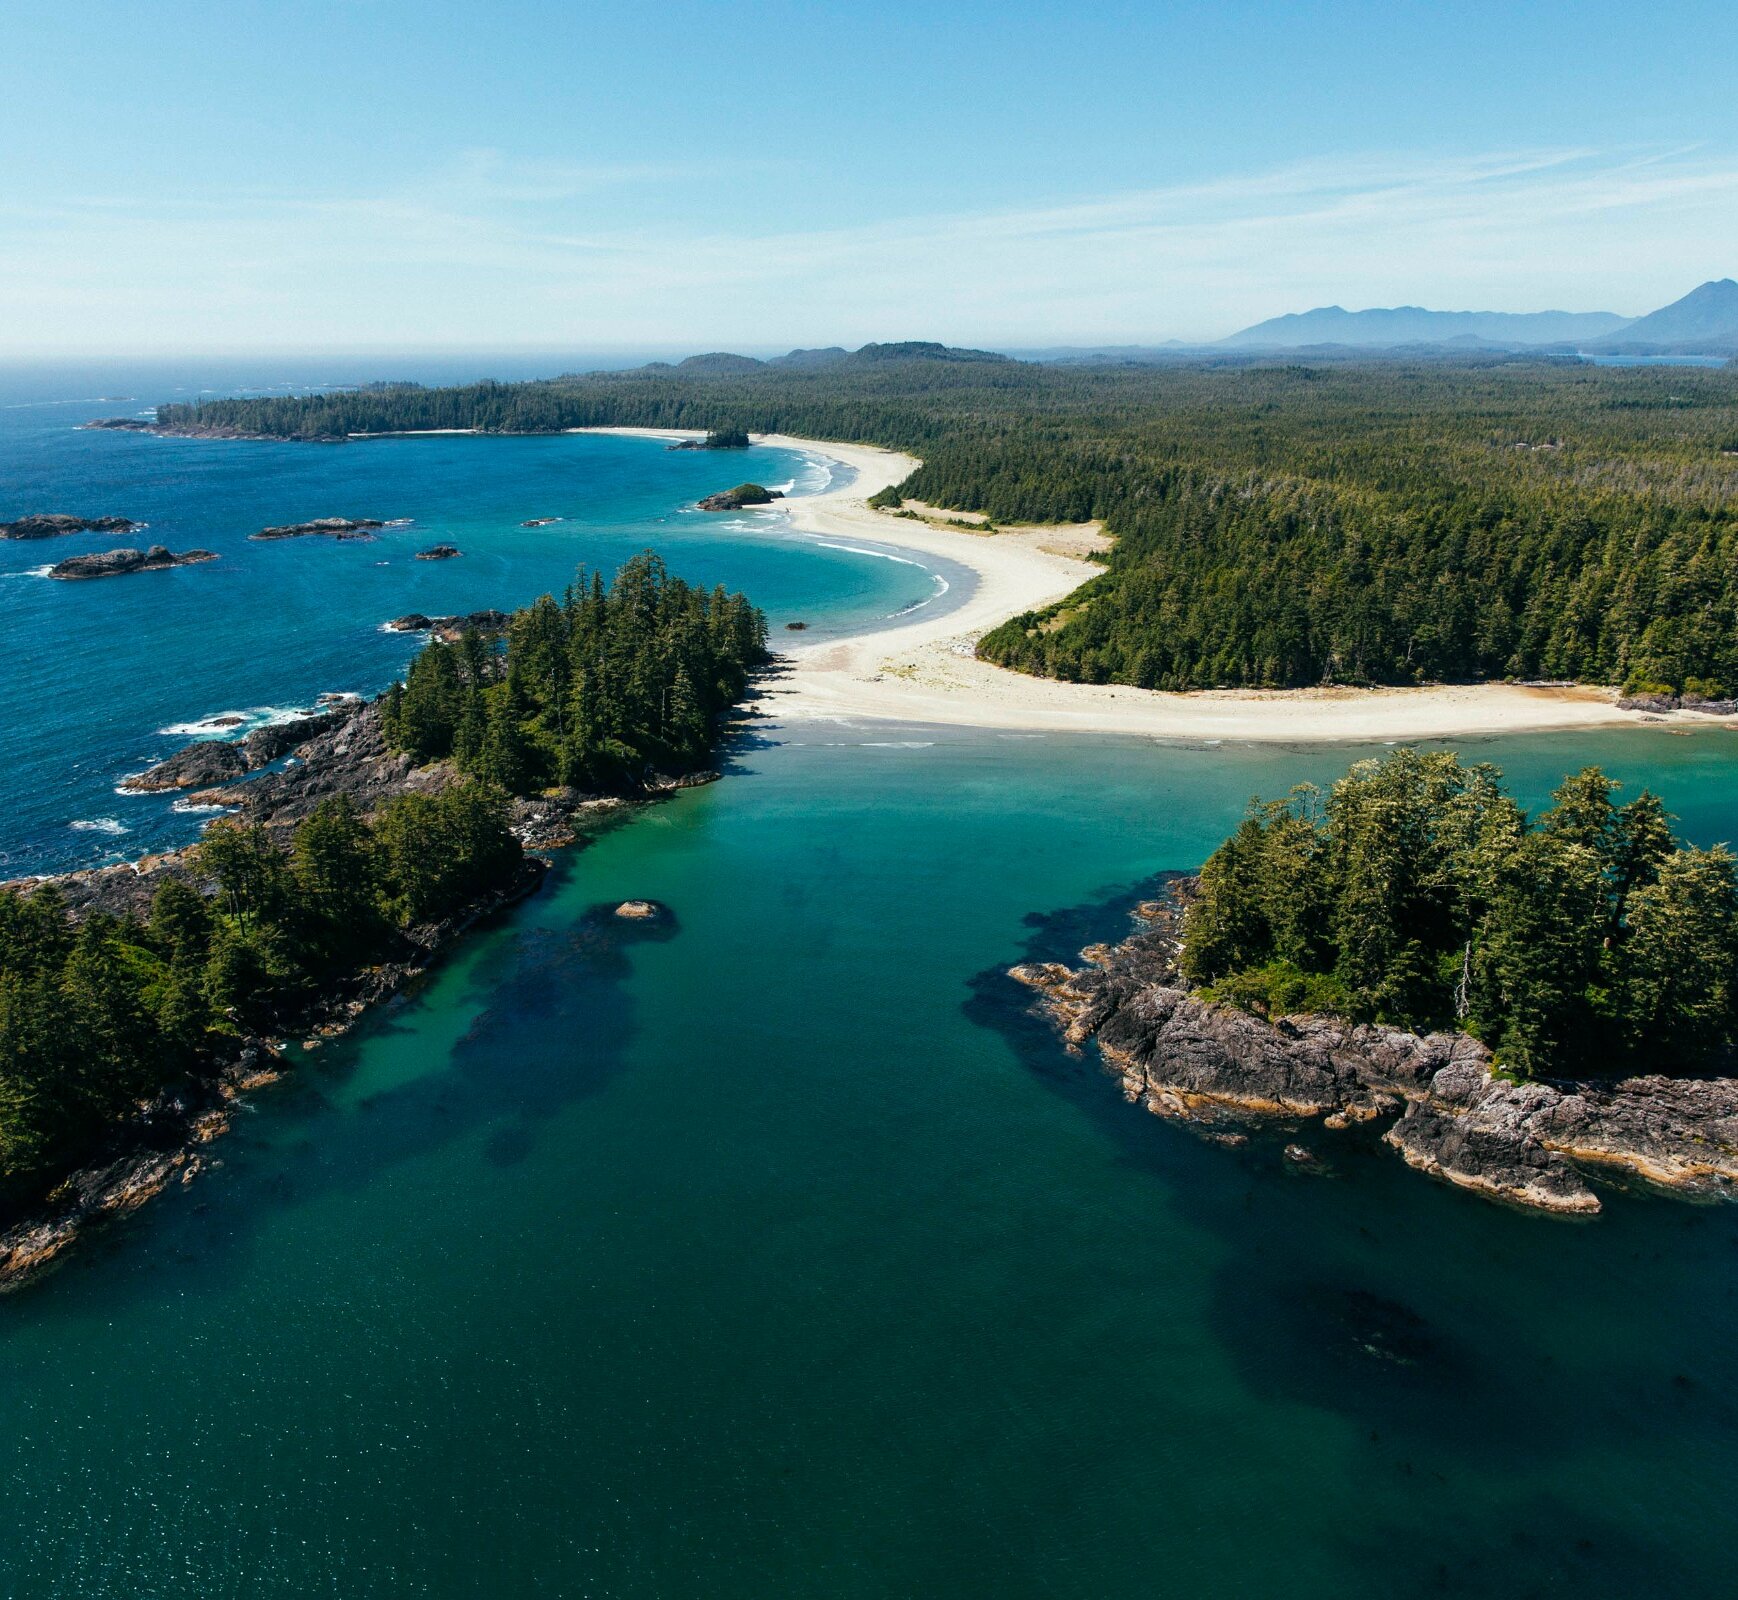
<point x="1374" y="521"/>
<point x="1416" y="892"/>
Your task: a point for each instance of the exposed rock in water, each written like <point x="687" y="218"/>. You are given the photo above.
<point x="796" y="627"/>
<point x="333" y="527"/>
<point x="541" y="522"/>
<point x="1531" y="1144"/>
<point x="52" y="524"/>
<point x="744" y="494"/>
<point x="447" y="629"/>
<point x="439" y="552"/>
<point x="116" y="563"/>
<point x="639" y="910"/>
<point x="122" y="424"/>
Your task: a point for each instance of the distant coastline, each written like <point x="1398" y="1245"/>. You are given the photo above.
<point x="926" y="670"/>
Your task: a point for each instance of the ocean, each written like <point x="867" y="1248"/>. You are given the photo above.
<point x="776" y="1250"/>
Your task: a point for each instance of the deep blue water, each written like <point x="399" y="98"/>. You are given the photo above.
<point x="109" y="676"/>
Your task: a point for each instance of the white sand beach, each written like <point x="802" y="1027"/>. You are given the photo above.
<point x="922" y="669"/>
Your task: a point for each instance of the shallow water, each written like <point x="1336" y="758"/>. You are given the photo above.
<point x="779" y="1252"/>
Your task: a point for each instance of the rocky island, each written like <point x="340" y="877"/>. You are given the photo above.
<point x="328" y="527"/>
<point x="53" y="524"/>
<point x="744" y="494"/>
<point x="439" y="552"/>
<point x="1560" y="1045"/>
<point x="117" y="563"/>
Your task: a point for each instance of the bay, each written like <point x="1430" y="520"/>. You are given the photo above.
<point x="778" y="1251"/>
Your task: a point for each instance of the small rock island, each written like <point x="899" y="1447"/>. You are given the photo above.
<point x="439" y="552"/>
<point x="117" y="563"/>
<point x="52" y="524"/>
<point x="329" y="527"/>
<point x="744" y="494"/>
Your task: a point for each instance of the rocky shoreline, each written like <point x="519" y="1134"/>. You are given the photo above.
<point x="168" y="1141"/>
<point x="340" y="750"/>
<point x="1434" y="1098"/>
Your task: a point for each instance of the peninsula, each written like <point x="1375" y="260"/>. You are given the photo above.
<point x="157" y="991"/>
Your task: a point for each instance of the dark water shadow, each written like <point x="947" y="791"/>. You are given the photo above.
<point x="1440" y="1324"/>
<point x="557" y="1027"/>
<point x="1543" y="1545"/>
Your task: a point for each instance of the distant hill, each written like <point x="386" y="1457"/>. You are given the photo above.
<point x="1398" y="325"/>
<point x="721" y="363"/>
<point x="1706" y="318"/>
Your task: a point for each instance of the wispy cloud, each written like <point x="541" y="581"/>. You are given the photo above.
<point x="488" y="249"/>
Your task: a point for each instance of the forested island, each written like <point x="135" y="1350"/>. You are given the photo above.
<point x="1277" y="524"/>
<point x="136" y="1001"/>
<point x="1520" y="1000"/>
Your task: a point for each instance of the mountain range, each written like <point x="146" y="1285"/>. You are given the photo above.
<point x="1704" y="322"/>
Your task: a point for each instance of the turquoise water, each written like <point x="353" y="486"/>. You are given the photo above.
<point x="777" y="1252"/>
<point x="110" y="676"/>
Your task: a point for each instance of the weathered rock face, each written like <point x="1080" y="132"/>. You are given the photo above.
<point x="116" y="563"/>
<point x="331" y="527"/>
<point x="1531" y="1144"/>
<point x="51" y="524"/>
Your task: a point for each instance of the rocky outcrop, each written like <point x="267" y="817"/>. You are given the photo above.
<point x="439" y="552"/>
<point x="330" y="527"/>
<point x="744" y="494"/>
<point x="542" y="522"/>
<point x="447" y="629"/>
<point x="195" y="767"/>
<point x="1435" y="1096"/>
<point x="264" y="745"/>
<point x="1678" y="702"/>
<point x="117" y="563"/>
<point x="52" y="524"/>
<point x="219" y="761"/>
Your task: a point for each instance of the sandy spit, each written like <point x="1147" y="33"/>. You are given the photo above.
<point x="922" y="669"/>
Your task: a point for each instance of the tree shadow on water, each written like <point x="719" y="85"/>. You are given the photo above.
<point x="557" y="1028"/>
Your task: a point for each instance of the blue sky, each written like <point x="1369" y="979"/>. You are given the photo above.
<point x="337" y="174"/>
